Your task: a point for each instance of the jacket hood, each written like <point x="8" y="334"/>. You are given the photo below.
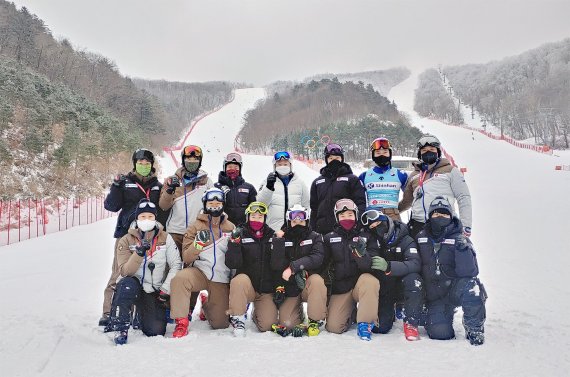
<point x="455" y="228"/>
<point x="438" y="164"/>
<point x="344" y="169"/>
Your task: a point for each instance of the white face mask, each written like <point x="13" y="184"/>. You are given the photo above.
<point x="283" y="170"/>
<point x="146" y="225"/>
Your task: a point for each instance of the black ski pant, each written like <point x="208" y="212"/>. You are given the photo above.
<point x="129" y="292"/>
<point x="468" y="293"/>
<point x="407" y="289"/>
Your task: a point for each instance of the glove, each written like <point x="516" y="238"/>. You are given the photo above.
<point x="163" y="299"/>
<point x="286" y="275"/>
<point x="462" y="243"/>
<point x="119" y="180"/>
<point x="172" y="183"/>
<point x="271" y="179"/>
<point x="358" y="248"/>
<point x="225" y="189"/>
<point x="142" y="248"/>
<point x="379" y="263"/>
<point x="235" y="236"/>
<point x="467" y="231"/>
<point x="279" y="296"/>
<point x="298" y="331"/>
<point x="301" y="279"/>
<point x="202" y="238"/>
<point x="280" y="330"/>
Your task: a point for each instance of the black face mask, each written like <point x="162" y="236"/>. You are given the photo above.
<point x="214" y="212"/>
<point x="381" y="229"/>
<point x="296" y="232"/>
<point x="334" y="165"/>
<point x="438" y="225"/>
<point x="429" y="157"/>
<point x="382" y="160"/>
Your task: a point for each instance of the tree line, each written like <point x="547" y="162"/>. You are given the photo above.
<point x="432" y="100"/>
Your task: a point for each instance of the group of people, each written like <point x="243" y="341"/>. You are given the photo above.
<point x="340" y="246"/>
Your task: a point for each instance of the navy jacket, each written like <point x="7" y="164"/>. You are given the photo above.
<point x="303" y="253"/>
<point x="253" y="257"/>
<point x="345" y="267"/>
<point x="445" y="258"/>
<point x="327" y="189"/>
<point x="125" y="199"/>
<point x="238" y="198"/>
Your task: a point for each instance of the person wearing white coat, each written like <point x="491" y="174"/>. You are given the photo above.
<point x="282" y="190"/>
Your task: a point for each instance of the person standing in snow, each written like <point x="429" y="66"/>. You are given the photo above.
<point x="281" y="190"/>
<point x="204" y="247"/>
<point x="352" y="280"/>
<point x="434" y="176"/>
<point x="182" y="193"/>
<point x="382" y="182"/>
<point x="238" y="192"/>
<point x="396" y="263"/>
<point x="125" y="192"/>
<point x="297" y="255"/>
<point x="449" y="270"/>
<point x="148" y="259"/>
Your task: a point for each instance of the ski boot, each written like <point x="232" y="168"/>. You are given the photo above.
<point x="364" y="330"/>
<point x="238" y="323"/>
<point x="121" y="337"/>
<point x="181" y="328"/>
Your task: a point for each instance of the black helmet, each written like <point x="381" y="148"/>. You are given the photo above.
<point x="142" y="154"/>
<point x="431" y="141"/>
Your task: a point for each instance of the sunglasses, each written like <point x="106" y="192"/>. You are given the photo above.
<point x="371" y="216"/>
<point x="192" y="150"/>
<point x="257" y="207"/>
<point x="334" y="149"/>
<point x="147" y="204"/>
<point x="381" y="142"/>
<point x="297" y="215"/>
<point x="429" y="140"/>
<point x="284" y="155"/>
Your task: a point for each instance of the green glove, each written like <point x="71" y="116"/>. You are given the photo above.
<point x="358" y="248"/>
<point x="379" y="263"/>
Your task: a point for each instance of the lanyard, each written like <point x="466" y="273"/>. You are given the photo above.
<point x="145" y="192"/>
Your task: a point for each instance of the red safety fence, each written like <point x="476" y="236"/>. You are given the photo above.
<point x="23" y="219"/>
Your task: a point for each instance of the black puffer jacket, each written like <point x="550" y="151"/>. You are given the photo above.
<point x="253" y="257"/>
<point x="329" y="187"/>
<point x="302" y="253"/>
<point x="400" y="251"/>
<point x="345" y="267"/>
<point x="445" y="258"/>
<point x="238" y="198"/>
<point x="126" y="198"/>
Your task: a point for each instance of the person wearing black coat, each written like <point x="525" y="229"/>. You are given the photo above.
<point x="238" y="192"/>
<point x="297" y="256"/>
<point x="397" y="265"/>
<point x="352" y="281"/>
<point x="449" y="270"/>
<point x="335" y="182"/>
<point x="125" y="193"/>
<point x="249" y="253"/>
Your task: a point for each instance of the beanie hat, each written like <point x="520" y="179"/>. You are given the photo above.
<point x="145" y="205"/>
<point x="440" y="204"/>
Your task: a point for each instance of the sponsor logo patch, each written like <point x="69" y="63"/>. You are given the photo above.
<point x="319" y="181"/>
<point x="422" y="240"/>
<point x="155" y="188"/>
<point x="413" y="250"/>
<point x="247" y="240"/>
<point x="449" y="241"/>
<point x="335" y="239"/>
<point x="342" y="179"/>
<point x="243" y="190"/>
<point x="398" y="250"/>
<point x="306" y="242"/>
<point x="288" y="244"/>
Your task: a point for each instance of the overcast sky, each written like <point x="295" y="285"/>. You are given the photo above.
<point x="259" y="41"/>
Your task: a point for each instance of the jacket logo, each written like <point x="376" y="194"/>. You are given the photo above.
<point x="319" y="181"/>
<point x="306" y="242"/>
<point x="155" y="188"/>
<point x="342" y="179"/>
<point x="247" y="240"/>
<point x="413" y="250"/>
<point x="422" y="240"/>
<point x="288" y="244"/>
<point x="398" y="250"/>
<point x="131" y="185"/>
<point x="335" y="239"/>
<point x="449" y="241"/>
<point x="243" y="190"/>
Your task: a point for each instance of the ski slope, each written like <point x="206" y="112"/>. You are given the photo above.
<point x="53" y="285"/>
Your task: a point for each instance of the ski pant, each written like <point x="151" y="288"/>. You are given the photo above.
<point x="414" y="227"/>
<point x="264" y="309"/>
<point x="191" y="280"/>
<point x="408" y="289"/>
<point x="365" y="293"/>
<point x="112" y="283"/>
<point x="314" y="294"/>
<point x="178" y="240"/>
<point x="465" y="292"/>
<point x="152" y="313"/>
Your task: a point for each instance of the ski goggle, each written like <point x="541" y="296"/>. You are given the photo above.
<point x="334" y="149"/>
<point x="297" y="215"/>
<point x="258" y="207"/>
<point x="147" y="204"/>
<point x="428" y="140"/>
<point x="380" y="142"/>
<point x="233" y="157"/>
<point x="214" y="195"/>
<point x="345" y="205"/>
<point x="192" y="150"/>
<point x="284" y="155"/>
<point x="371" y="216"/>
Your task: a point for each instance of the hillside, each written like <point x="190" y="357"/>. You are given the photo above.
<point x="526" y="96"/>
<point x="432" y="100"/>
<point x="348" y="113"/>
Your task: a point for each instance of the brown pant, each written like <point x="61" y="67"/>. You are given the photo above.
<point x="314" y="294"/>
<point x="393" y="213"/>
<point x="112" y="283"/>
<point x="191" y="279"/>
<point x="178" y="239"/>
<point x="365" y="293"/>
<point x="264" y="309"/>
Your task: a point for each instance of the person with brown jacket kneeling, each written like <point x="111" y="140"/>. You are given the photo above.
<point x="204" y="247"/>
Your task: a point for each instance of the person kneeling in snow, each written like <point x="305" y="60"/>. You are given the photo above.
<point x="449" y="269"/>
<point x="205" y="245"/>
<point x="143" y="255"/>
<point x="397" y="265"/>
<point x="249" y="252"/>
<point x="297" y="254"/>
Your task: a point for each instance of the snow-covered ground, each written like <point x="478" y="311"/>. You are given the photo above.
<point x="53" y="285"/>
